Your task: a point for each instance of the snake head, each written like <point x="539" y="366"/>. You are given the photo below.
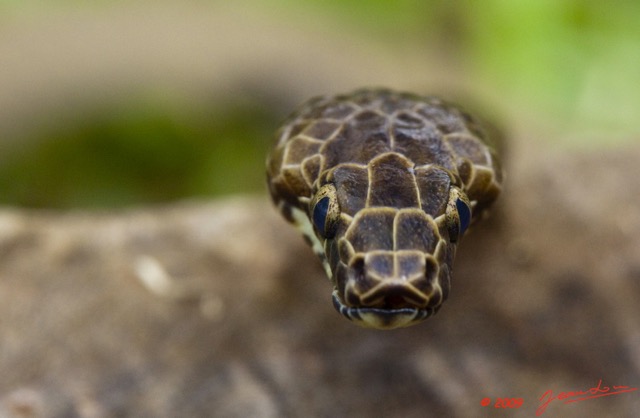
<point x="389" y="261"/>
<point x="383" y="185"/>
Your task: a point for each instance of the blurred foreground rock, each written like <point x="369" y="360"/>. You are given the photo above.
<point x="219" y="309"/>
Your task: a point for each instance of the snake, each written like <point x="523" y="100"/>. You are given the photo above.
<point x="383" y="185"/>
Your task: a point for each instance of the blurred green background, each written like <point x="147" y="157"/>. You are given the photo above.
<point x="564" y="73"/>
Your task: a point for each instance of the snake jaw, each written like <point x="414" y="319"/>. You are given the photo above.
<point x="379" y="318"/>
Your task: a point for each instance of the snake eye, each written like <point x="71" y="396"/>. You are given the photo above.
<point x="325" y="211"/>
<point x="458" y="214"/>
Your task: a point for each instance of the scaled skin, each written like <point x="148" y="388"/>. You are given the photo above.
<point x="396" y="168"/>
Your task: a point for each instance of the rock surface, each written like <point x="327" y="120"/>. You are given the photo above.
<point x="219" y="309"/>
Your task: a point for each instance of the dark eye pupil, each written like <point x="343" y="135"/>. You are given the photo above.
<point x="464" y="212"/>
<point x="320" y="214"/>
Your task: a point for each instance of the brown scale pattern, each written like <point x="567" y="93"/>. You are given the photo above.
<point x="393" y="159"/>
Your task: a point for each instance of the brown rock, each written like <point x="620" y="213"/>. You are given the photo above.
<point x="219" y="309"/>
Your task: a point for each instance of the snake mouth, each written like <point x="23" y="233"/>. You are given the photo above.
<point x="381" y="318"/>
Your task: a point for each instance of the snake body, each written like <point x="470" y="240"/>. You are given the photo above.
<point x="383" y="185"/>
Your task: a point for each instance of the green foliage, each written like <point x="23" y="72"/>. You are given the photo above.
<point x="147" y="154"/>
<point x="576" y="60"/>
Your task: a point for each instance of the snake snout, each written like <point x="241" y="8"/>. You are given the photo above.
<point x="388" y="280"/>
<point x="388" y="289"/>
